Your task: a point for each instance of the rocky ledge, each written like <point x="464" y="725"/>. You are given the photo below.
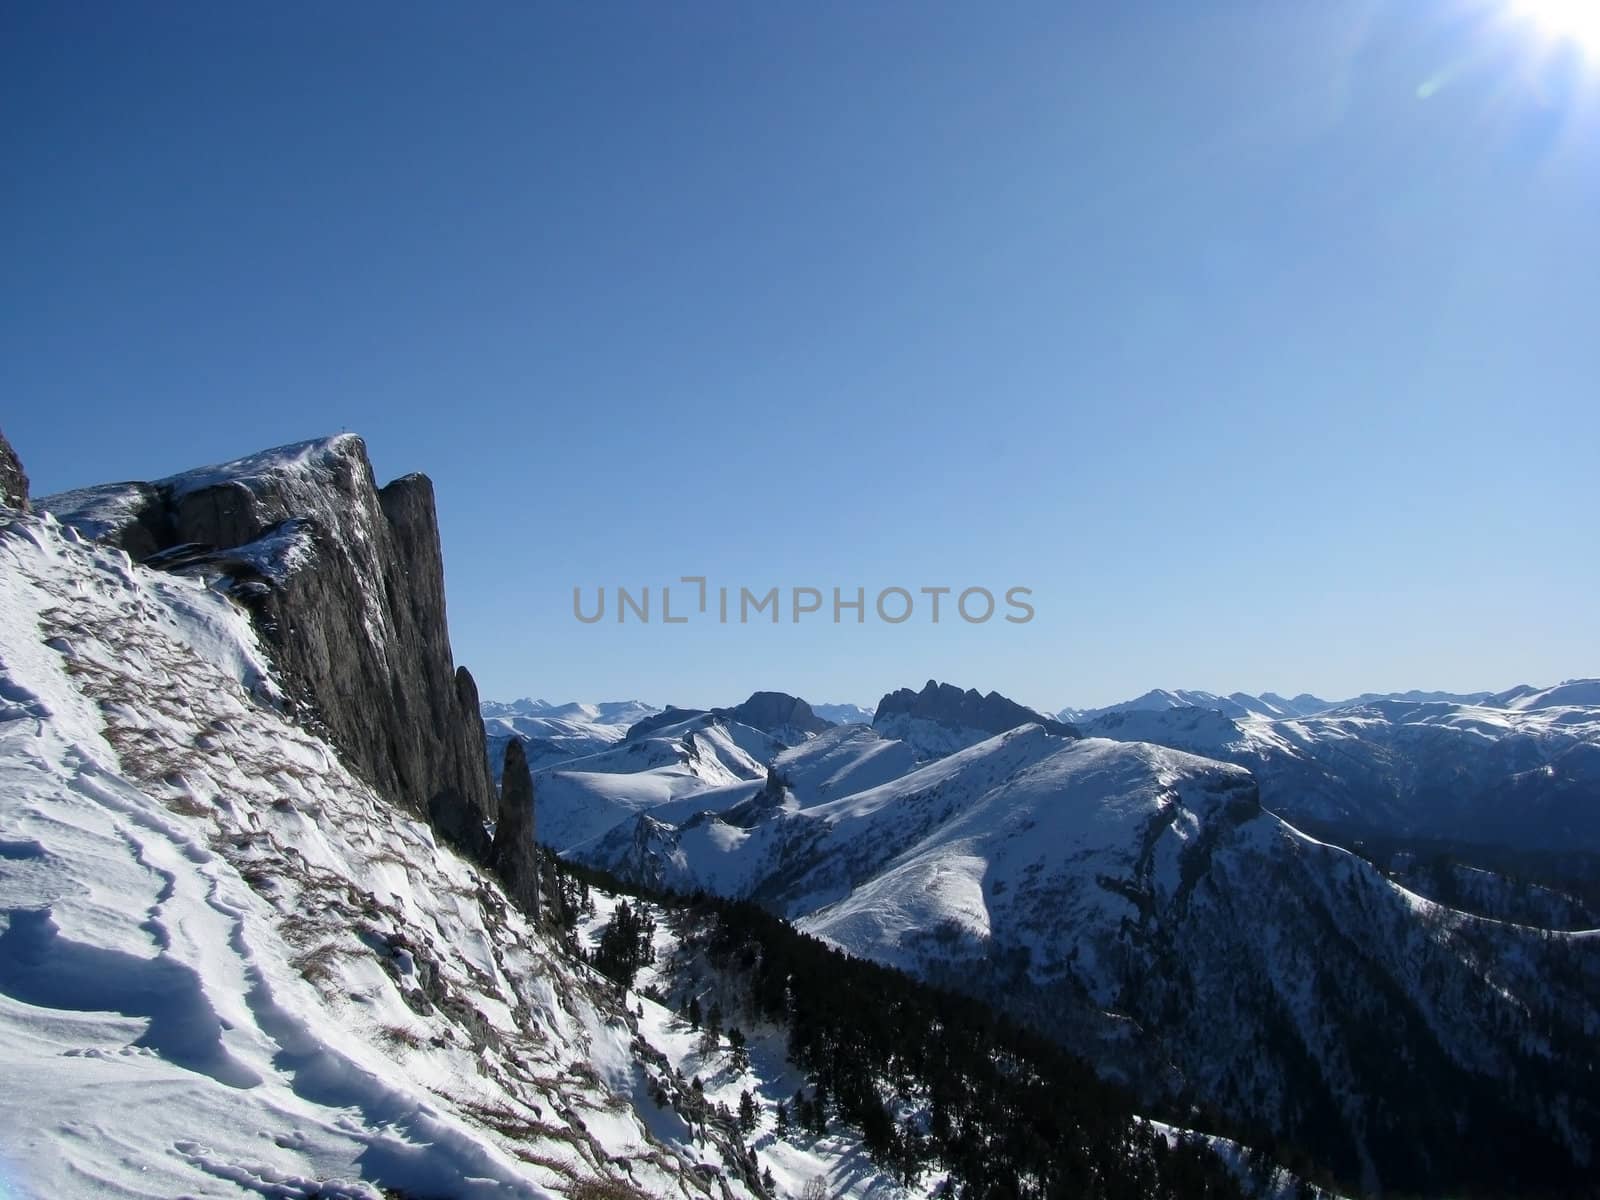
<point x="346" y="584"/>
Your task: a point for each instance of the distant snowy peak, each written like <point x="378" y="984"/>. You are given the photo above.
<point x="1413" y="696"/>
<point x="1518" y="769"/>
<point x="1574" y="693"/>
<point x="1272" y="706"/>
<point x="1235" y="704"/>
<point x="1192" y="728"/>
<point x="941" y="718"/>
<point x="554" y="733"/>
<point x="843" y="714"/>
<point x="703" y="760"/>
<point x="525" y="707"/>
<point x="607" y="712"/>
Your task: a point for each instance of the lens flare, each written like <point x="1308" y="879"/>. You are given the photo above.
<point x="1574" y="21"/>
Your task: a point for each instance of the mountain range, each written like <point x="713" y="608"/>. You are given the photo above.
<point x="1269" y="704"/>
<point x="1138" y="886"/>
<point x="273" y="919"/>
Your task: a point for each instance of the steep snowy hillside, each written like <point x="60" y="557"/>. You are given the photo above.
<point x="1525" y="774"/>
<point x="554" y="733"/>
<point x="345" y="581"/>
<point x="841" y="762"/>
<point x="802" y="1046"/>
<point x="228" y="967"/>
<point x="704" y="755"/>
<point x="1137" y="903"/>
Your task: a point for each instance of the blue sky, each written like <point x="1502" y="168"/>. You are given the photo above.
<point x="1259" y="340"/>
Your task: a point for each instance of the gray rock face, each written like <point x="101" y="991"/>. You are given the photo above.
<point x="13" y="482"/>
<point x="945" y="704"/>
<point x="771" y="711"/>
<point x="670" y="715"/>
<point x="515" y="856"/>
<point x="346" y="584"/>
<point x="777" y="713"/>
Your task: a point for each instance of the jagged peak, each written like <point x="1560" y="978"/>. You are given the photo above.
<point x="946" y="704"/>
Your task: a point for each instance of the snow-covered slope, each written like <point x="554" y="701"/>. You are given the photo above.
<point x="1525" y="773"/>
<point x="229" y="968"/>
<point x="1012" y="841"/>
<point x="1574" y="693"/>
<point x="554" y="733"/>
<point x="584" y="797"/>
<point x="841" y="762"/>
<point x="1137" y="903"/>
<point x="1267" y="704"/>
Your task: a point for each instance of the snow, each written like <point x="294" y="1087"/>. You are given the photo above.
<point x="100" y="511"/>
<point x="226" y="967"/>
<point x="703" y="756"/>
<point x="557" y="732"/>
<point x="845" y="714"/>
<point x="290" y="490"/>
<point x="839" y="762"/>
<point x="794" y="1160"/>
<point x="1575" y="693"/>
<point x="1029" y="826"/>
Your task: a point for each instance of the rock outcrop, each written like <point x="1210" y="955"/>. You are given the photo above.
<point x="515" y="854"/>
<point x="13" y="482"/>
<point x="947" y="705"/>
<point x="346" y="583"/>
<point x="775" y="711"/>
<point x="786" y="717"/>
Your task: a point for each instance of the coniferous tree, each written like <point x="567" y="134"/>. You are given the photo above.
<point x="626" y="944"/>
<point x="749" y="1111"/>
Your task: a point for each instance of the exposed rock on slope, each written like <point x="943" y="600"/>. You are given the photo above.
<point x="779" y="711"/>
<point x="346" y="583"/>
<point x="515" y="855"/>
<point x="229" y="967"/>
<point x="13" y="482"/>
<point x="941" y="718"/>
<point x="786" y="717"/>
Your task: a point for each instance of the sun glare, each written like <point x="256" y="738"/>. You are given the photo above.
<point x="1576" y="21"/>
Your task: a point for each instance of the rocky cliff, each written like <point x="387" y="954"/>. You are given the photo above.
<point x="346" y="583"/>
<point x="13" y="483"/>
<point x="774" y="711"/>
<point x="945" y="704"/>
<point x="514" y="855"/>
